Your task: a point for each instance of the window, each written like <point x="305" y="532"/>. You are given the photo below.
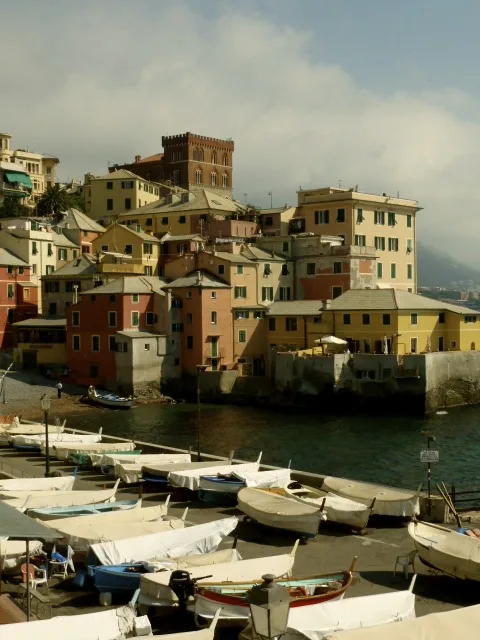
<point x="413" y="345"/>
<point x="470" y="319"/>
<point x="49" y="249"/>
<point x="258" y="315"/>
<point x="76" y="343"/>
<point x="135" y="318"/>
<point x="409" y="271"/>
<point x="21" y="270"/>
<point x="393" y="244"/>
<point x="164" y="220"/>
<point x="267" y="294"/>
<point x="242" y="315"/>
<point x="34" y="269"/>
<point x="135" y="298"/>
<point x="189" y="342"/>
<point x="221" y="269"/>
<point x="146" y="346"/>
<point x="49" y="269"/>
<point x="347" y="318"/>
<point x="360" y="217"/>
<point x="213" y="316"/>
<point x="224" y="181"/>
<point x="441" y="344"/>
<point x="386" y="319"/>
<point x="52" y="287"/>
<point x="188" y="295"/>
<point x="10" y="316"/>
<point x="242" y="335"/>
<point x="70" y="286"/>
<point x="214" y="295"/>
<point x="290" y="324"/>
<point x="74" y="253"/>
<point x="409" y="220"/>
<point x="148" y="271"/>
<point x="268" y="221"/>
<point x="240" y="292"/>
<point x="95" y="343"/>
<point x="128" y="249"/>
<point x="379" y="270"/>
<point x="225" y="160"/>
<point x="414" y="318"/>
<point x="149" y="222"/>
<point x="311" y="268"/>
<point x="365" y="318"/>
<point x="34" y="248"/>
<point x="109" y="204"/>
<point x="285" y="293"/>
<point x="11" y="293"/>
<point x="391" y="219"/>
<point x="336" y="292"/>
<point x="213" y="178"/>
<point x="285" y="269"/>
<point x="322" y="217"/>
<point x="272" y="324"/>
<point x="409" y="246"/>
<point x="112" y="318"/>
<point x="109" y="185"/>
<point x="127" y="184"/>
<point x="182" y="219"/>
<point x="393" y="270"/>
<point x="360" y="241"/>
<point x="441" y="317"/>
<point x="147" y="247"/>
<point x="177" y="327"/>
<point x="112" y="297"/>
<point x="128" y="203"/>
<point x="337" y="267"/>
<point x="214" y="157"/>
<point x="111" y="343"/>
<point x="379" y="217"/>
<point x="198" y="176"/>
<point x="239" y="269"/>
<point x="150" y="318"/>
<point x="122" y="347"/>
<point x="93" y="298"/>
<point x="62" y="254"/>
<point x="267" y="269"/>
<point x="10" y="270"/>
<point x="340" y="215"/>
<point x="26" y="293"/>
<point x="285" y="246"/>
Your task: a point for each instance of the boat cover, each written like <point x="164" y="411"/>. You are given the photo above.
<point x="114" y="624"/>
<point x="460" y="623"/>
<point x="63" y="483"/>
<point x="13" y="554"/>
<point x="275" y="504"/>
<point x="389" y="501"/>
<point x="274" y="478"/>
<point x="199" y="560"/>
<point x="128" y="473"/>
<point x="190" y="478"/>
<point x="38" y="440"/>
<point x="162" y="470"/>
<point x="154" y="586"/>
<point x="64" y="450"/>
<point x="107" y="460"/>
<point x="318" y="621"/>
<point x="63" y="498"/>
<point x="201" y="538"/>
<point x="32" y="429"/>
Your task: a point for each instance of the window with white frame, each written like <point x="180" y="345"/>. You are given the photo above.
<point x="225" y="180"/>
<point x="213" y="178"/>
<point x="322" y="217"/>
<point x="198" y="176"/>
<point x="242" y="335"/>
<point x="379" y="217"/>
<point x="213" y="316"/>
<point x="239" y="269"/>
<point x="360" y="241"/>
<point x="240" y="292"/>
<point x="267" y="294"/>
<point x="393" y="244"/>
<point x="379" y="243"/>
<point x="112" y="318"/>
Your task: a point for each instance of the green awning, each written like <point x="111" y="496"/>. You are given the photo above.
<point x="20" y="178"/>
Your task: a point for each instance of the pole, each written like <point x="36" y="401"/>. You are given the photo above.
<point x="47" y="452"/>
<point x="198" y="415"/>
<point x="271" y="199"/>
<point x="28" y="579"/>
<point x="429" y="480"/>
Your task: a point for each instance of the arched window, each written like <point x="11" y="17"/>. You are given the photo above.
<point x="225" y="160"/>
<point x="225" y="180"/>
<point x="198" y="176"/>
<point x="213" y="178"/>
<point x="201" y="156"/>
<point x="214" y="157"/>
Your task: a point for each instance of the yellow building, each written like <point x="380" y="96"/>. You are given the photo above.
<point x="119" y="242"/>
<point x="366" y="220"/>
<point x="393" y="320"/>
<point x="41" y="343"/>
<point x="114" y="193"/>
<point x="296" y="324"/>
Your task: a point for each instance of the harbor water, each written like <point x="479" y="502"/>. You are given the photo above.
<point x="378" y="449"/>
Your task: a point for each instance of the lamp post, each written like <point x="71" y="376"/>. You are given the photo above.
<point x="200" y="368"/>
<point x="269" y="604"/>
<point x="45" y="403"/>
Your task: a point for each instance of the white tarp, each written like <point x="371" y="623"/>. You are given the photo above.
<point x="318" y="621"/>
<point x="165" y="469"/>
<point x="331" y="340"/>
<point x="124" y="517"/>
<point x="389" y="500"/>
<point x="63" y="498"/>
<point x="190" y="478"/>
<point x="128" y="473"/>
<point x="63" y="483"/>
<point x="114" y="624"/>
<point x="107" y="460"/>
<point x="38" y="440"/>
<point x="13" y="554"/>
<point x="64" y="450"/>
<point x="201" y="538"/>
<point x="274" y="478"/>
<point x="458" y="624"/>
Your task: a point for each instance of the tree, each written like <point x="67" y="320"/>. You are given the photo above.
<point x="77" y="202"/>
<point x="11" y="208"/>
<point x="53" y="201"/>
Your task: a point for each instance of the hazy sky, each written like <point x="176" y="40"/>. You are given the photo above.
<point x="376" y="93"/>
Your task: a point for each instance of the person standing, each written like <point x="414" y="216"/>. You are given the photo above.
<point x="59" y="389"/>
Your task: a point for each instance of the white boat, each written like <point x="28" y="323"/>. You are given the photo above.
<point x="158" y="473"/>
<point x="453" y="553"/>
<point x="338" y="509"/>
<point x="200" y="634"/>
<point x="190" y="478"/>
<point x="111" y="459"/>
<point x="235" y="480"/>
<point x="114" y="624"/>
<point x="154" y="589"/>
<point x="54" y="438"/>
<point x="64" y="498"/>
<point x="107" y="399"/>
<point x="63" y="483"/>
<point x="201" y="538"/>
<point x="13" y="554"/>
<point x="31" y="428"/>
<point x="459" y="623"/>
<point x="63" y="451"/>
<point x="279" y="512"/>
<point x="389" y="501"/>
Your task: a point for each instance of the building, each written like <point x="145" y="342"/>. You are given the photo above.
<point x="40" y="169"/>
<point x="275" y="222"/>
<point x="172" y="247"/>
<point x="109" y="195"/>
<point x="65" y="249"/>
<point x="79" y="229"/>
<point x="40" y="344"/>
<point x="18" y="295"/>
<point x="384" y="222"/>
<point x="131" y="244"/>
<point x="188" y="160"/>
<point x="15" y="183"/>
<point x="295" y="325"/>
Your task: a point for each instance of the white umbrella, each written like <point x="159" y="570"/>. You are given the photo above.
<point x="330" y="340"/>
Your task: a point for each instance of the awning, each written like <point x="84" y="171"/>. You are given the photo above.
<point x="21" y="178"/>
<point x="15" y="525"/>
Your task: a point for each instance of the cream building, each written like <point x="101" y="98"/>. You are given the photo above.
<point x="119" y="243"/>
<point x="117" y="192"/>
<point x="366" y="220"/>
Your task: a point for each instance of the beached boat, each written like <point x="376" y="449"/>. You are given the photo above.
<point x="107" y="461"/>
<point x="107" y="399"/>
<point x="34" y="443"/>
<point x="445" y="550"/>
<point x="131" y="471"/>
<point x="54" y="513"/>
<point x="13" y="554"/>
<point x="64" y="450"/>
<point x="62" y="483"/>
<point x="402" y="503"/>
<point x="19" y="429"/>
<point x="234" y="480"/>
<point x="158" y="473"/>
<point x="280" y="512"/>
<point x="342" y="510"/>
<point x="154" y="589"/>
<point x="306" y="592"/>
<point x="190" y="478"/>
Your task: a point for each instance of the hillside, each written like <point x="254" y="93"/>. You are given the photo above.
<point x="439" y="269"/>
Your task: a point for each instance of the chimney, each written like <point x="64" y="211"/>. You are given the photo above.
<point x="138" y="158"/>
<point x="199" y="277"/>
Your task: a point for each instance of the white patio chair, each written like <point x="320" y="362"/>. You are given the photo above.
<point x="405" y="561"/>
<point x="60" y="567"/>
<point x="37" y="576"/>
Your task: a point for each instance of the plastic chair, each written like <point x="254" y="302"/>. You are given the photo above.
<point x="405" y="561"/>
<point x="60" y="567"/>
<point x="37" y="576"/>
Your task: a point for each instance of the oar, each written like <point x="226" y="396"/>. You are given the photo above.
<point x="449" y="505"/>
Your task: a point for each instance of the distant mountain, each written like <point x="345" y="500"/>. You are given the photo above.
<point x="439" y="269"/>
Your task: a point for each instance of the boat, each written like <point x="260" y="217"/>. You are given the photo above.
<point x="199" y="634"/>
<point x="190" y="478"/>
<point x="446" y="550"/>
<point x="280" y="512"/>
<point x="107" y="399"/>
<point x="33" y="443"/>
<point x="54" y="513"/>
<point x="158" y="473"/>
<point x="130" y="471"/>
<point x="64" y="499"/>
<point x="83" y="459"/>
<point x="154" y="589"/>
<point x="13" y="554"/>
<point x="64" y="450"/>
<point x="62" y="483"/>
<point x="400" y="503"/>
<point x="342" y="510"/>
<point x="306" y="592"/>
<point x="235" y="480"/>
<point x="108" y="461"/>
<point x="19" y="429"/>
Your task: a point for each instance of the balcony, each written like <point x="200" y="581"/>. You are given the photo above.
<point x="214" y="354"/>
<point x="15" y="191"/>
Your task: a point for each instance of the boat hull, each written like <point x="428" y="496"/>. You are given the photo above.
<point x="220" y="485"/>
<point x="110" y="401"/>
<point x="118" y="579"/>
<point x="55" y="513"/>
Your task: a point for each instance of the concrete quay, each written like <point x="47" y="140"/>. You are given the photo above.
<point x="330" y="551"/>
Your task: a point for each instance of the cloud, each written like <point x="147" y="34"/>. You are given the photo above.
<point x="104" y="81"/>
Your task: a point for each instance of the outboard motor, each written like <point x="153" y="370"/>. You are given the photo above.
<point x="183" y="586"/>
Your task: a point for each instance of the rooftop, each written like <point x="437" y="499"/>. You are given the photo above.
<point x="191" y="236"/>
<point x="129" y="285"/>
<point x="75" y="219"/>
<point x="9" y="259"/>
<point x="83" y="265"/>
<point x="145" y="237"/>
<point x="201" y="279"/>
<point x="53" y="323"/>
<point x="120" y="174"/>
<point x="133" y="333"/>
<point x="59" y="240"/>
<point x="295" y="308"/>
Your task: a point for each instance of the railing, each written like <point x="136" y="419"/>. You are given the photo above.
<point x="465" y="496"/>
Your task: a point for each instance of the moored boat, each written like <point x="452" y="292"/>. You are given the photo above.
<point x="190" y="478"/>
<point x="64" y="450"/>
<point x="15" y="485"/>
<point x="157" y="473"/>
<point x="34" y="443"/>
<point x="54" y="513"/>
<point x="235" y="480"/>
<point x="107" y="399"/>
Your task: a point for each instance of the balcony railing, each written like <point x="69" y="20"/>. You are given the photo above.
<point x="212" y="354"/>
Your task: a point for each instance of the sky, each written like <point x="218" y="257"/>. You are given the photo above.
<point x="376" y="93"/>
